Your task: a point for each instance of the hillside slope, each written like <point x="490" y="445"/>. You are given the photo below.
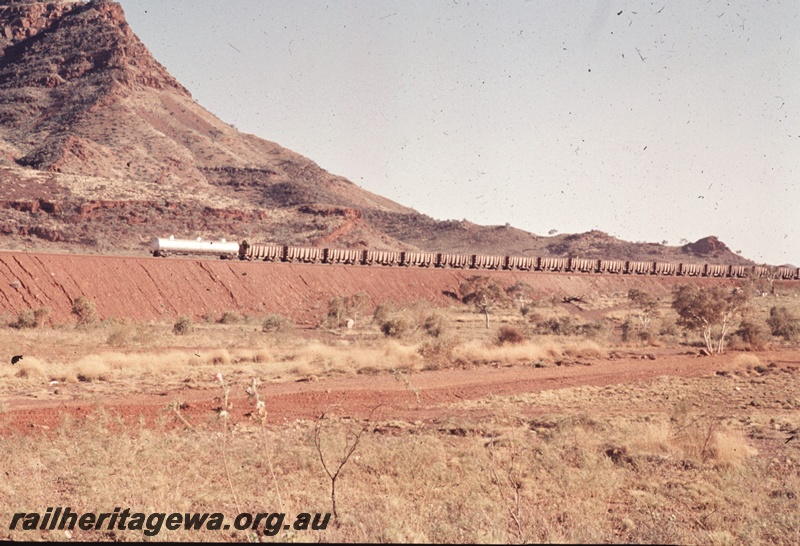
<point x="101" y="148"/>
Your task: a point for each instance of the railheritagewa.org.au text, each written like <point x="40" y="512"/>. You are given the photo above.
<point x="64" y="519"/>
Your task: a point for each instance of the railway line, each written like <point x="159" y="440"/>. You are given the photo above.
<point x="300" y="254"/>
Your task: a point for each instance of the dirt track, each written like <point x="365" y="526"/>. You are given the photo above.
<point x="162" y="289"/>
<point x="357" y="396"/>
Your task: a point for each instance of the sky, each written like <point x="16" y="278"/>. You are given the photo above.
<point x="650" y="121"/>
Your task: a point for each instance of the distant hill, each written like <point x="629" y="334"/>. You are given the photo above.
<point x="101" y="148"/>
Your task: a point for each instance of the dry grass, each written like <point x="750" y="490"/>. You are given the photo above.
<point x="544" y="350"/>
<point x="31" y="368"/>
<point x="668" y="461"/>
<point x="501" y="478"/>
<point x="746" y="361"/>
<point x="699" y="441"/>
<point x="153" y="354"/>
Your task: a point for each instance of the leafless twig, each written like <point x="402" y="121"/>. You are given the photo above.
<point x="348" y="451"/>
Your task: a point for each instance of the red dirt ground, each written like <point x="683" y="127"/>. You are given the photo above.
<point x="357" y="396"/>
<point x="162" y="289"/>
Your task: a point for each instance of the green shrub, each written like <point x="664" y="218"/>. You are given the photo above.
<point x="563" y="326"/>
<point x="41" y="314"/>
<point x="275" y="323"/>
<point x="438" y="352"/>
<point x="567" y="326"/>
<point x="25" y="319"/>
<point x="509" y="335"/>
<point x="753" y="334"/>
<point x="230" y="317"/>
<point x="397" y="326"/>
<point x="84" y="309"/>
<point x="435" y="325"/>
<point x="783" y="323"/>
<point x="628" y="328"/>
<point x="383" y="312"/>
<point x="183" y="326"/>
<point x="598" y="328"/>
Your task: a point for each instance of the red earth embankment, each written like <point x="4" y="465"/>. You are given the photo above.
<point x="158" y="289"/>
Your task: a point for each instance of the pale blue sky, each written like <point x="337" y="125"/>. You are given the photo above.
<point x="669" y="120"/>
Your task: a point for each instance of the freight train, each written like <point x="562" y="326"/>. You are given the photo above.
<point x="286" y="253"/>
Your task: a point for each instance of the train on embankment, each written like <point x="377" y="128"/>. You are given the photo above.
<point x="163" y="247"/>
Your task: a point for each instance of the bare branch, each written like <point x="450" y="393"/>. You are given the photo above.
<point x="349" y="449"/>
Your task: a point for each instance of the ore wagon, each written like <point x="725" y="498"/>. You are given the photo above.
<point x="611" y="266"/>
<point x="522" y="263"/>
<point x="308" y="255"/>
<point x="381" y="257"/>
<point x="417" y="259"/>
<point x="553" y="264"/>
<point x="691" y="270"/>
<point x="460" y="261"/>
<point x="666" y="268"/>
<point x="481" y="261"/>
<point x="717" y="270"/>
<point x="343" y="256"/>
<point x="639" y="268"/>
<point x="739" y="271"/>
<point x="583" y="265"/>
<point x="266" y="253"/>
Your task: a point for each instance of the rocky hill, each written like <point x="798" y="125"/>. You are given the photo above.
<point x="101" y="148"/>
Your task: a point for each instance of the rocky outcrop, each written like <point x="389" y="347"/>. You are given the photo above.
<point x="20" y="20"/>
<point x="101" y="43"/>
<point x="596" y="244"/>
<point x="707" y="246"/>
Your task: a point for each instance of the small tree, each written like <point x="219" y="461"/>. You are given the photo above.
<point x="707" y="310"/>
<point x="342" y="308"/>
<point x="763" y="284"/>
<point x="333" y="465"/>
<point x="484" y="294"/>
<point x="645" y="305"/>
<point x="522" y="294"/>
